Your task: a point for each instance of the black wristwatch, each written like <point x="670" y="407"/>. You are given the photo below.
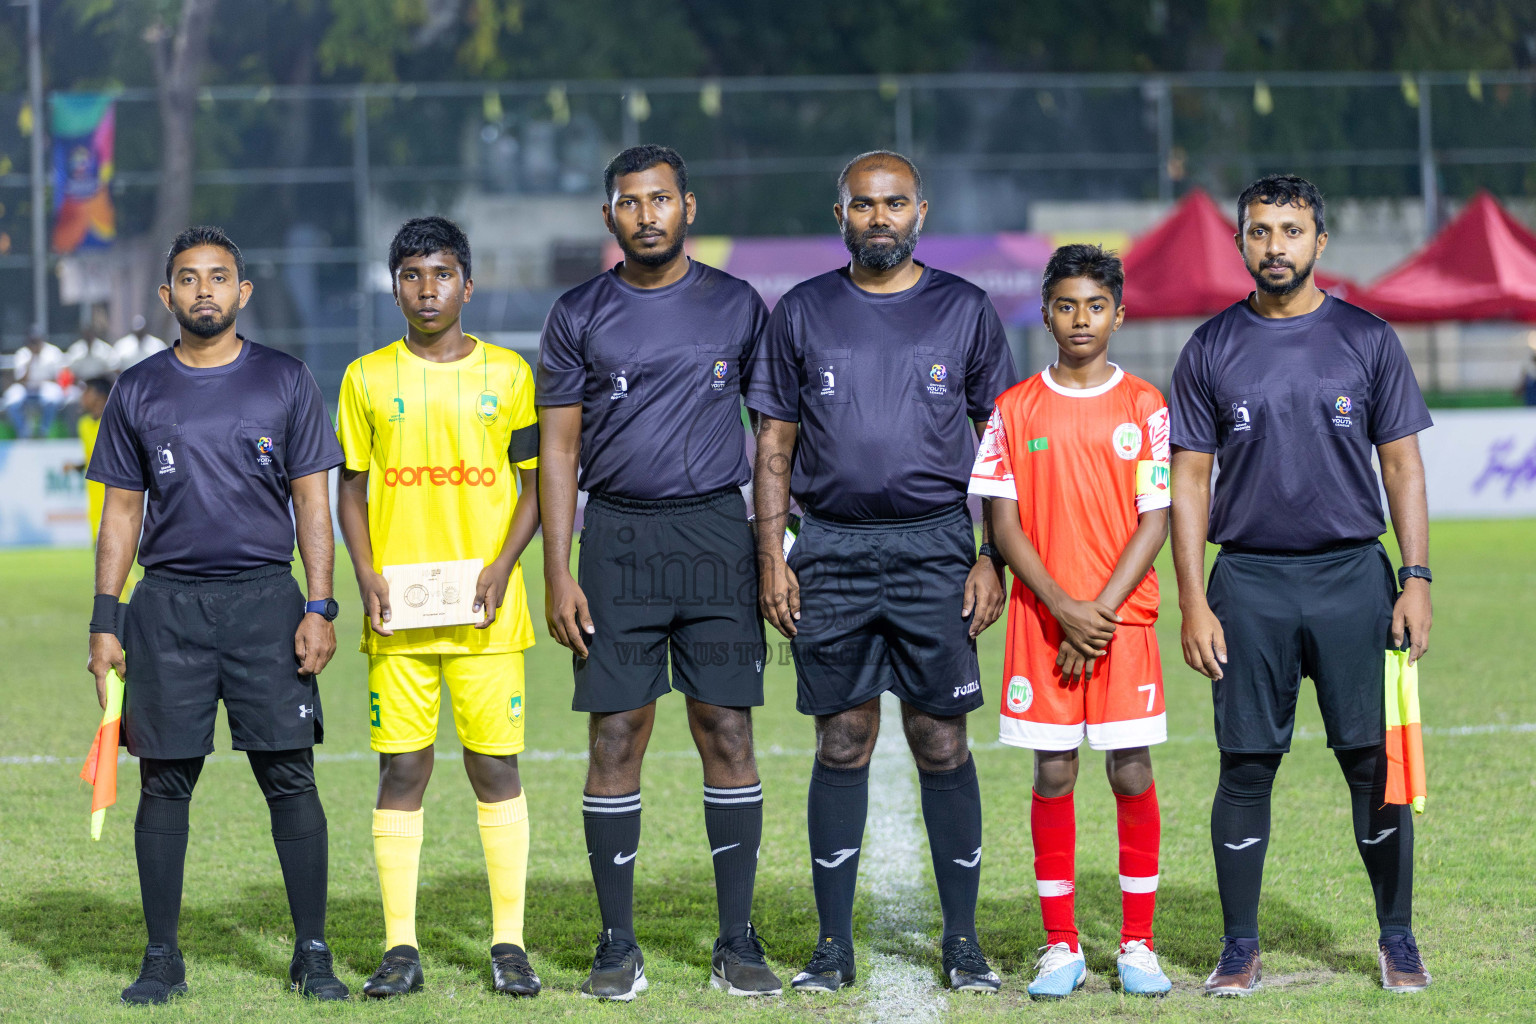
<point x="326" y="608"/>
<point x="988" y="551"/>
<point x="1414" y="572"/>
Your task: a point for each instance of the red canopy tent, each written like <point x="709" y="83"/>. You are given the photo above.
<point x="1189" y="266"/>
<point x="1482" y="266"/>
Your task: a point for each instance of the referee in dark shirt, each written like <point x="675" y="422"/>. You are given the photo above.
<point x="872" y="384"/>
<point x="639" y="389"/>
<point x="219" y="433"/>
<point x="1292" y="389"/>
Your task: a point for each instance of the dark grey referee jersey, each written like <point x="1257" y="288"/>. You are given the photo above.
<point x="884" y="388"/>
<point x="1292" y="408"/>
<point x="215" y="448"/>
<point x="659" y="375"/>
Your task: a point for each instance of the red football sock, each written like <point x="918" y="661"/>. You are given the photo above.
<point x="1140" y="833"/>
<point x="1053" y="827"/>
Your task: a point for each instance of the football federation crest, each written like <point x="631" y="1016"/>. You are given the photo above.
<point x="939" y="373"/>
<point x="1343" y="405"/>
<point x="489" y="406"/>
<point x="620" y="386"/>
<point x="166" y="458"/>
<point x="399" y="413"/>
<point x="264" y="451"/>
<point x="1020" y="695"/>
<point x="720" y="369"/>
<point x="828" y="380"/>
<point x="718" y="374"/>
<point x="1127" y="440"/>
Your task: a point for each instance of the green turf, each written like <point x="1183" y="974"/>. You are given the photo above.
<point x="71" y="933"/>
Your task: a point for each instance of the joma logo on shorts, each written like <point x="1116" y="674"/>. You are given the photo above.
<point x="970" y="687"/>
<point x="440" y="476"/>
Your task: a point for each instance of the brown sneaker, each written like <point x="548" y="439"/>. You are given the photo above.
<point x="1402" y="969"/>
<point x="1237" y="973"/>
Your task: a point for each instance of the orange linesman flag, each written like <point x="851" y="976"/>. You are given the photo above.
<point x="1405" y="740"/>
<point x="101" y="763"/>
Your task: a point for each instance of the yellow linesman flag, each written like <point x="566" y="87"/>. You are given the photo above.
<point x="101" y="763"/>
<point x="1405" y="740"/>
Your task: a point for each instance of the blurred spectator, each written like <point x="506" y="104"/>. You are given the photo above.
<point x="34" y="399"/>
<point x="1527" y="390"/>
<point x="93" y="402"/>
<point x="136" y="346"/>
<point x="92" y="355"/>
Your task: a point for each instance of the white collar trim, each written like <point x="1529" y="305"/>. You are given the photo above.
<point x="1093" y="392"/>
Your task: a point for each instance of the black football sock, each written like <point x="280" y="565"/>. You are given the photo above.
<point x="733" y="820"/>
<point x="952" y="814"/>
<point x="1240" y="837"/>
<point x="836" y="808"/>
<point x="613" y="842"/>
<point x="1384" y="837"/>
<point x="160" y="845"/>
<point x="287" y="780"/>
<point x="160" y="841"/>
<point x="303" y="849"/>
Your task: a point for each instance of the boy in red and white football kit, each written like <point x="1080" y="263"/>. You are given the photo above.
<point x="1077" y="462"/>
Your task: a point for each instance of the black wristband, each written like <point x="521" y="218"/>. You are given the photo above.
<point x="104" y="613"/>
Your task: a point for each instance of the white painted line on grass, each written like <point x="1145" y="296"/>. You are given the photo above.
<point x="338" y="756"/>
<point x="892" y="879"/>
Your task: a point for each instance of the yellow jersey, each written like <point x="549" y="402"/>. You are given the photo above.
<point x="95" y="494"/>
<point x="435" y="439"/>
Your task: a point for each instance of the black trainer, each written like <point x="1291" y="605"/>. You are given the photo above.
<point x="398" y="974"/>
<point x="511" y="972"/>
<point x="830" y="969"/>
<point x="966" y="968"/>
<point x="618" y="970"/>
<point x="163" y="974"/>
<point x="313" y="974"/>
<point x="739" y="968"/>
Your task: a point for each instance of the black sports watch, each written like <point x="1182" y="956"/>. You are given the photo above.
<point x="988" y="551"/>
<point x="326" y="608"/>
<point x="1414" y="572"/>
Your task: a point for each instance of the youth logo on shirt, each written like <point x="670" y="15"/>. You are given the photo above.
<point x="722" y="368"/>
<point x="490" y="405"/>
<point x="264" y="451"/>
<point x="1127" y="440"/>
<point x="1343" y="406"/>
<point x="620" y="386"/>
<point x="939" y="374"/>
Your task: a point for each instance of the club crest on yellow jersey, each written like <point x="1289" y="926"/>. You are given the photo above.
<point x="490" y="405"/>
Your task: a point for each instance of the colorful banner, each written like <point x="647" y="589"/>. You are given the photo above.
<point x="84" y="130"/>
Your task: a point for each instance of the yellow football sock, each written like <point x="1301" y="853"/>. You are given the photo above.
<point x="397" y="854"/>
<point x="504" y="834"/>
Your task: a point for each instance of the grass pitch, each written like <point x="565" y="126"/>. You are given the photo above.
<point x="71" y="932"/>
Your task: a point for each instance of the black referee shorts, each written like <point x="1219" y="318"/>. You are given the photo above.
<point x="190" y="642"/>
<point x="880" y="605"/>
<point x="671" y="577"/>
<point x="1325" y="616"/>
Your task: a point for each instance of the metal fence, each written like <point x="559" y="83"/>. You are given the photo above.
<point x="305" y="178"/>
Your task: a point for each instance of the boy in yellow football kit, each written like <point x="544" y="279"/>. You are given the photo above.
<point x="434" y="427"/>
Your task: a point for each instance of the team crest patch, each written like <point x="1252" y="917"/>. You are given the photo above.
<point x="489" y="406"/>
<point x="264" y="451"/>
<point x="515" y="708"/>
<point x="1020" y="695"/>
<point x="1127" y="440"/>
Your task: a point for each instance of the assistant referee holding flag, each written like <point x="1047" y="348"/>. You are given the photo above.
<point x="1294" y="389"/>
<point x="221" y="433"/>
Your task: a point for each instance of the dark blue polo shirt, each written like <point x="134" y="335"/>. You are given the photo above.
<point x="215" y="448"/>
<point x="658" y="373"/>
<point x="1292" y="408"/>
<point x="884" y="388"/>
